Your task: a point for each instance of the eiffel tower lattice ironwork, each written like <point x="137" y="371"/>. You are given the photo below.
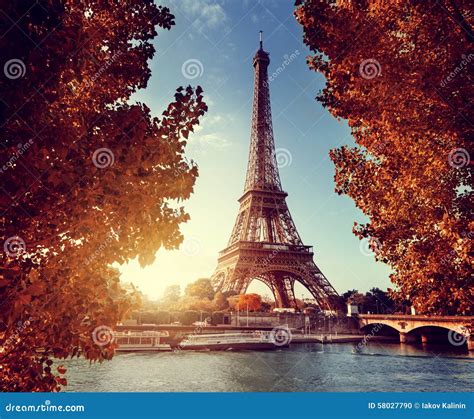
<point x="264" y="243"/>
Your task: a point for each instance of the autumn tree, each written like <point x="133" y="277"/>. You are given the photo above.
<point x="378" y="301"/>
<point x="400" y="72"/>
<point x="201" y="288"/>
<point x="267" y="303"/>
<point x="187" y="302"/>
<point x="250" y="302"/>
<point x="171" y="294"/>
<point x="88" y="178"/>
<point x="232" y="301"/>
<point x="348" y="294"/>
<point x="220" y="301"/>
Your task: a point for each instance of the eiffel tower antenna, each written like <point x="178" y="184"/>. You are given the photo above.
<point x="264" y="243"/>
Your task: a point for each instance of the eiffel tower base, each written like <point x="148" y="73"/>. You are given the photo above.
<point x="277" y="266"/>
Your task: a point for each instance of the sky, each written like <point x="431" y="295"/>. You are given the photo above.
<point x="212" y="45"/>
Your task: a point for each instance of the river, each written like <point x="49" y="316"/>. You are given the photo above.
<point x="302" y="367"/>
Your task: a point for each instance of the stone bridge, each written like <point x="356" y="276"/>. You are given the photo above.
<point x="457" y="330"/>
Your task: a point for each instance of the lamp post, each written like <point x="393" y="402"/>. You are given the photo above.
<point x="302" y="314"/>
<point x="247" y="314"/>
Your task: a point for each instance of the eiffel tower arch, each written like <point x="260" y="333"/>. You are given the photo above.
<point x="265" y="244"/>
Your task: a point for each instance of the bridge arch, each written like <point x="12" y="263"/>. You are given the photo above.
<point x="439" y="334"/>
<point x="379" y="329"/>
<point x="434" y="327"/>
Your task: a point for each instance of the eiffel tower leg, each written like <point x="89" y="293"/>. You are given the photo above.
<point x="237" y="282"/>
<point x="290" y="292"/>
<point x="283" y="290"/>
<point x="319" y="287"/>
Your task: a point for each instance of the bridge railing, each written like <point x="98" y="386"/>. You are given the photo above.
<point x="415" y="317"/>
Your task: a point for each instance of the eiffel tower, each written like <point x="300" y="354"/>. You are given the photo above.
<point x="264" y="243"/>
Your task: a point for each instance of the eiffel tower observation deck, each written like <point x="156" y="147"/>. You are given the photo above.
<point x="264" y="243"/>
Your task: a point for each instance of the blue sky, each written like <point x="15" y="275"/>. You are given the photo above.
<point x="212" y="44"/>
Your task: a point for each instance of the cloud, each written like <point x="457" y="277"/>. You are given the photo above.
<point x="211" y="133"/>
<point x="210" y="120"/>
<point x="204" y="13"/>
<point x="213" y="139"/>
<point x="214" y="119"/>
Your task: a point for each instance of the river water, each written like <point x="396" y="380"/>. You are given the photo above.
<point x="302" y="367"/>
